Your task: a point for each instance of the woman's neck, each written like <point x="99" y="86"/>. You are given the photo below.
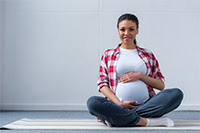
<point x="128" y="46"/>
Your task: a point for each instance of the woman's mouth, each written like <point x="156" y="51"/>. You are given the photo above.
<point x="127" y="38"/>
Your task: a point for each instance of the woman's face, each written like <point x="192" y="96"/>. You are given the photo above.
<point x="127" y="31"/>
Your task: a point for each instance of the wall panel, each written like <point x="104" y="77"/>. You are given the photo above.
<point x="52" y="48"/>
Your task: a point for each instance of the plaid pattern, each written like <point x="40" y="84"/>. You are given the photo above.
<point x="107" y="71"/>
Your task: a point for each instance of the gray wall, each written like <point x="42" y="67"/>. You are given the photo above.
<point x="52" y="48"/>
<point x="1" y="48"/>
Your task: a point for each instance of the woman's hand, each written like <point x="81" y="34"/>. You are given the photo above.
<point x="131" y="76"/>
<point x="128" y="104"/>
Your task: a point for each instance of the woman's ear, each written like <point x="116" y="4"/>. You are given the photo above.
<point x="137" y="30"/>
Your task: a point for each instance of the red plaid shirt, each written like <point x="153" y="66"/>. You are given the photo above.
<point x="107" y="71"/>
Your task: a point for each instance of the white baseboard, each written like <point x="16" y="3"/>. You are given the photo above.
<point x="189" y="107"/>
<point x="83" y="107"/>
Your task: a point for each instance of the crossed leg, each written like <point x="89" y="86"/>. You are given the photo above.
<point x="162" y="103"/>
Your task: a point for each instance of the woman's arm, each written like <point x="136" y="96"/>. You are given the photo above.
<point x="155" y="83"/>
<point x="110" y="95"/>
<point x="133" y="76"/>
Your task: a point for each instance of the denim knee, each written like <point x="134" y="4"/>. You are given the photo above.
<point x="173" y="98"/>
<point x="94" y="103"/>
<point x="177" y="97"/>
<point x="91" y="103"/>
<point x="178" y="94"/>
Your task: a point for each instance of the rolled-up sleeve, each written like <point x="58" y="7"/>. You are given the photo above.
<point x="103" y="74"/>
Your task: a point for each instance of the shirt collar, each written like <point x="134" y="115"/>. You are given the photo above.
<point x="116" y="51"/>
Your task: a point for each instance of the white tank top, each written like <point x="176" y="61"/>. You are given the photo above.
<point x="129" y="61"/>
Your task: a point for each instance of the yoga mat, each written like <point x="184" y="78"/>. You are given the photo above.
<point x="91" y="124"/>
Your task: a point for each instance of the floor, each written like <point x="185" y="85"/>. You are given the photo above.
<point x="11" y="116"/>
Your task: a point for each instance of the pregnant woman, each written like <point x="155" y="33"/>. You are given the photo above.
<point x="127" y="77"/>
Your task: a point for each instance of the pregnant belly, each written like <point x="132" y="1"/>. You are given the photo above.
<point x="132" y="91"/>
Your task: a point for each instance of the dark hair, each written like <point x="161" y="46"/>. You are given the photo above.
<point x="128" y="17"/>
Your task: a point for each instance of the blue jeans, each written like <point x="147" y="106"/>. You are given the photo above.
<point x="159" y="105"/>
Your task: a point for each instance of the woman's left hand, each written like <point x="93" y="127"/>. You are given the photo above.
<point x="129" y="104"/>
<point x="131" y="76"/>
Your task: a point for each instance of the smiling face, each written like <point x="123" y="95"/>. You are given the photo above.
<point x="127" y="31"/>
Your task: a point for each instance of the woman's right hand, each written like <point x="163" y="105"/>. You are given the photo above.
<point x="128" y="104"/>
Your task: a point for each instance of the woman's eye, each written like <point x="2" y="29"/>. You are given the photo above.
<point x="122" y="29"/>
<point x="132" y="29"/>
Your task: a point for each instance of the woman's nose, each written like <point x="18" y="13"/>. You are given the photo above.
<point x="126" y="32"/>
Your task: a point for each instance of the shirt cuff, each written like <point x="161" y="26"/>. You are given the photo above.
<point x="101" y="85"/>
